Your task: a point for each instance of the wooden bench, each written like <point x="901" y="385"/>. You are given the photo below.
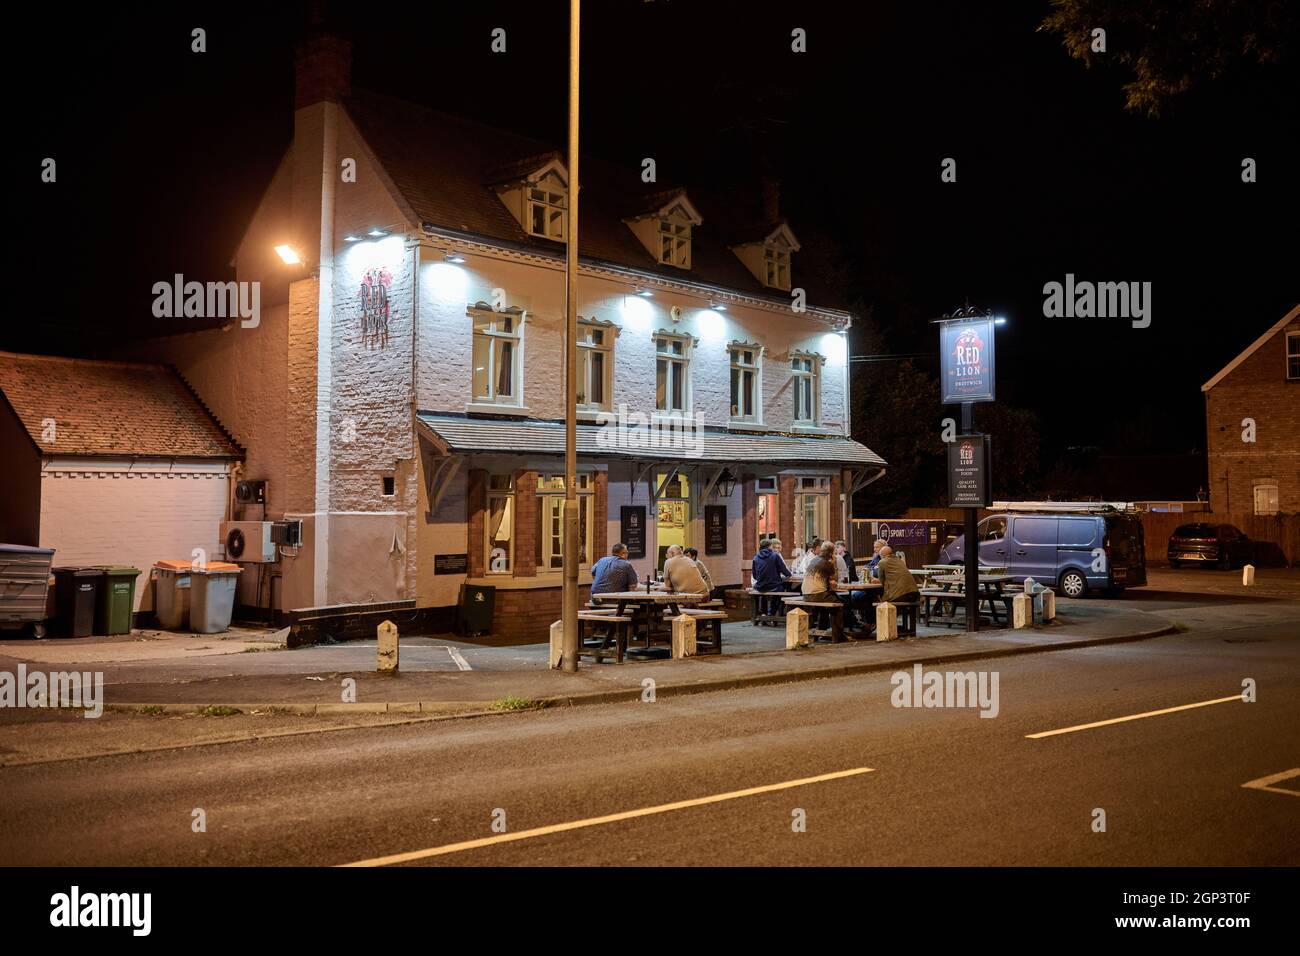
<point x="832" y="608"/>
<point x="708" y="624"/>
<point x="906" y="617"/>
<point x="756" y="601"/>
<point x="613" y="626"/>
<point x="932" y="596"/>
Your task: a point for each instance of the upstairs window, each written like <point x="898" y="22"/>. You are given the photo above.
<point x="496" y="358"/>
<point x="806" y="371"/>
<point x="675" y="243"/>
<point x="595" y="366"/>
<point x="744" y="384"/>
<point x="546" y="212"/>
<point x="777" y="265"/>
<point x="672" y="374"/>
<point x="1292" y="356"/>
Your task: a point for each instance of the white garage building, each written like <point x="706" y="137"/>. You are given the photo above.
<point x="110" y="463"/>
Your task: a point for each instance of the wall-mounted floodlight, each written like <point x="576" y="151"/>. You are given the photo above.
<point x="452" y="256"/>
<point x="287" y="255"/>
<point x="377" y="233"/>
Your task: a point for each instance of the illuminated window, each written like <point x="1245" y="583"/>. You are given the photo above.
<point x="675" y="243"/>
<point x="1293" y="355"/>
<point x="546" y="213"/>
<point x="812" y="510"/>
<point x="499" y="528"/>
<point x="777" y="264"/>
<point x="806" y="371"/>
<point x="765" y="510"/>
<point x="496" y="358"/>
<point x="672" y="373"/>
<point x="550" y="520"/>
<point x="744" y="384"/>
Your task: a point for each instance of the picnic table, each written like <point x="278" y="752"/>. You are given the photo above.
<point x="990" y="587"/>
<point x="649" y="607"/>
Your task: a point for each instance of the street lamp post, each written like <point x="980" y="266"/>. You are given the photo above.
<point x="572" y="525"/>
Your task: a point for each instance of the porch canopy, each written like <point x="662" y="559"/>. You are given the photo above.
<point x="453" y="436"/>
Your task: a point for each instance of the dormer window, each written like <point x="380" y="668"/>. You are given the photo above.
<point x="769" y="258"/>
<point x="777" y="262"/>
<point x="546" y="212"/>
<point x="664" y="227"/>
<point x="675" y="243"/>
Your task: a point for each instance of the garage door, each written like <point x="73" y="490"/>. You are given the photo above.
<point x="133" y="514"/>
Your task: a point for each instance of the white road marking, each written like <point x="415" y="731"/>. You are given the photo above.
<point x="460" y="661"/>
<point x="1120" y="720"/>
<point x="597" y="821"/>
<point x="1266" y="783"/>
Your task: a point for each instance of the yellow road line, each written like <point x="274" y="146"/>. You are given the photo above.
<point x="1266" y="783"/>
<point x="610" y="818"/>
<point x="1120" y="720"/>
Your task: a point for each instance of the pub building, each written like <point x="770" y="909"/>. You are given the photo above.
<point x="401" y="393"/>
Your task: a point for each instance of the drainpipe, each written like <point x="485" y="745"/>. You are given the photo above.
<point x="324" y="356"/>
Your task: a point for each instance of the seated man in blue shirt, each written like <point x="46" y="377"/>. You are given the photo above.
<point x="614" y="572"/>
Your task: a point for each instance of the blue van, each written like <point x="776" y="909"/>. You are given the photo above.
<point x="1077" y="551"/>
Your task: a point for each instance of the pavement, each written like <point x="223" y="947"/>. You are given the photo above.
<point x="441" y="675"/>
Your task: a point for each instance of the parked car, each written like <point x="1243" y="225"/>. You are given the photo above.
<point x="1203" y="543"/>
<point x="1075" y="552"/>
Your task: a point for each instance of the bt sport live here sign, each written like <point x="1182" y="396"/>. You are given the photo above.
<point x="966" y="353"/>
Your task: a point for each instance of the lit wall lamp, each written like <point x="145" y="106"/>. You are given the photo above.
<point x="376" y="233"/>
<point x="287" y="255"/>
<point x="718" y="306"/>
<point x="351" y="238"/>
<point x="453" y="256"/>
<point x="642" y="291"/>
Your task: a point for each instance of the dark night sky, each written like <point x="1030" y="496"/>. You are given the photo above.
<point x="163" y="153"/>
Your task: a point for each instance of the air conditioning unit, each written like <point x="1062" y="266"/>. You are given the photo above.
<point x="250" y="492"/>
<point x="248" y="542"/>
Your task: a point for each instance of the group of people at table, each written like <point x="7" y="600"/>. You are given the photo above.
<point x="822" y="572"/>
<point x="825" y="570"/>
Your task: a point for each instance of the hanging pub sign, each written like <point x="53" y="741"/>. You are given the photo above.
<point x="968" y="472"/>
<point x="966" y="360"/>
<point x="374" y="306"/>
<point x="715" y="529"/>
<point x="632" y="529"/>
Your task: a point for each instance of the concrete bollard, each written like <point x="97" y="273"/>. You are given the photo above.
<point x="387" y="648"/>
<point x="557" y="645"/>
<point x="1049" y="604"/>
<point x="796" y="629"/>
<point x="1247" y="574"/>
<point x="886" y="621"/>
<point x="683" y="636"/>
<point x="1022" y="611"/>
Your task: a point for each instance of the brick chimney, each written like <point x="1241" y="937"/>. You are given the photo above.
<point x="322" y="67"/>
<point x="771" y="200"/>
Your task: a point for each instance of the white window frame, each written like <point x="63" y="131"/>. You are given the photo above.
<point x="735" y="353"/>
<point x="497" y="338"/>
<point x="800" y="375"/>
<point x="587" y="331"/>
<point x="549" y="544"/>
<point x="682" y="362"/>
<point x="817" y="488"/>
<point x="507" y="494"/>
<point x="1293" y="355"/>
<point x="776" y="267"/>
<point x="550" y="200"/>
<point x="767" y="488"/>
<point x="1272" y="489"/>
<point x="676" y="234"/>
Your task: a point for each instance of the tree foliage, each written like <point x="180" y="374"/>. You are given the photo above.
<point x="1170" y="46"/>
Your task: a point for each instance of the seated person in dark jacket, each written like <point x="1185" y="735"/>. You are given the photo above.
<point x="614" y="572"/>
<point x="768" y="571"/>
